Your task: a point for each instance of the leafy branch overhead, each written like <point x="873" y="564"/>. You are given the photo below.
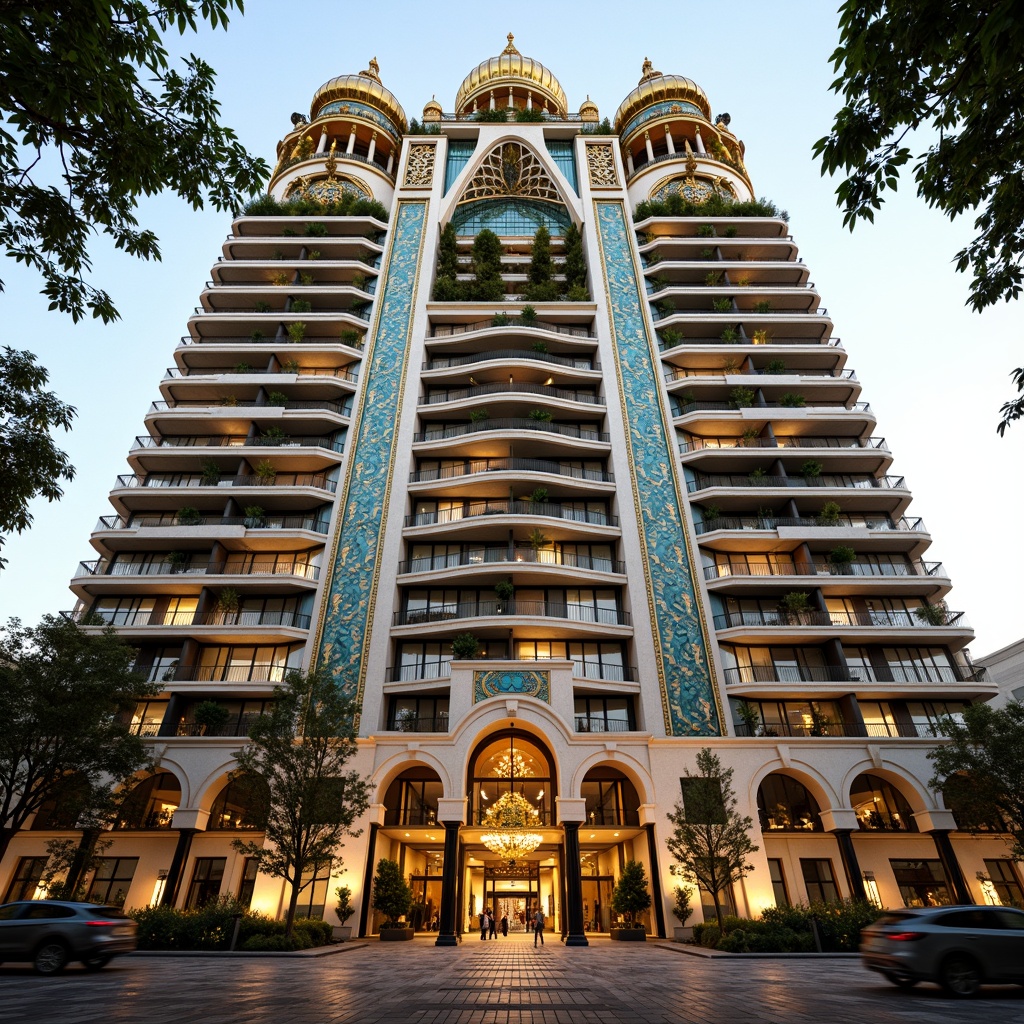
<point x="937" y="84"/>
<point x="94" y="118"/>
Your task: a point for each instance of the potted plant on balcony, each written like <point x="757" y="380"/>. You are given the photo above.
<point x="682" y="910"/>
<point x="528" y="317"/>
<point x="393" y="898"/>
<point x="829" y="514"/>
<point x="189" y="516"/>
<point x="794" y="606"/>
<point x="629" y="898"/>
<point x="538" y="540"/>
<point x="538" y="496"/>
<point x="505" y="591"/>
<point x="741" y="397"/>
<point x="811" y="469"/>
<point x="792" y="400"/>
<point x="227" y="605"/>
<point x="540" y="415"/>
<point x="465" y="646"/>
<point x="211" y="717"/>
<point x="176" y="561"/>
<point x="839" y="560"/>
<point x="932" y="614"/>
<point x="211" y="473"/>
<point x="264" y="472"/>
<point x="750" y="718"/>
<point x="296" y="331"/>
<point x="344" y="910"/>
<point x="254" y="517"/>
<point x="478" y="415"/>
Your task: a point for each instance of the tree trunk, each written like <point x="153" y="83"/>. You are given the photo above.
<point x="718" y="911"/>
<point x="293" y="901"/>
<point x="6" y="835"/>
<point x="86" y="848"/>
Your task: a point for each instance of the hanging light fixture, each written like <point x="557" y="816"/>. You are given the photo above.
<point x="509" y="818"/>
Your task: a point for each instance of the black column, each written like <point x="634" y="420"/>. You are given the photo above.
<point x="574" y="885"/>
<point x="563" y="905"/>
<point x="449" y="886"/>
<point x="848" y="856"/>
<point x="951" y="866"/>
<point x="371" y="851"/>
<point x="659" y="906"/>
<point x="172" y="886"/>
<point x="461" y="913"/>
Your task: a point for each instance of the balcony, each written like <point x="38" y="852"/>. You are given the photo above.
<point x="258" y="338"/>
<point x="511" y="508"/>
<point x="329" y="372"/>
<point x="814" y="342"/>
<point x="584" y="723"/>
<point x="431" y="671"/>
<point x="158" y="481"/>
<point x="824" y="568"/>
<point x="890" y="619"/>
<point x="432" y="723"/>
<point x="514" y="607"/>
<point x="240" y="726"/>
<point x="860" y="482"/>
<point x="883" y="523"/>
<point x="812" y="404"/>
<point x="451" y="362"/>
<point x="476" y="466"/>
<point x="172" y="520"/>
<point x="240" y="441"/>
<point x="285" y="619"/>
<point x="340" y="408"/>
<point x="451" y="330"/>
<point x="502" y="388"/>
<point x="447" y="431"/>
<point x="104" y="567"/>
<point x="698" y="444"/>
<point x="515" y="556"/>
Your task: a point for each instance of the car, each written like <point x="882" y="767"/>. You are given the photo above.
<point x="959" y="947"/>
<point x="51" y="933"/>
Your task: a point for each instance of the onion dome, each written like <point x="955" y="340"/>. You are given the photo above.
<point x="510" y="69"/>
<point x="354" y="90"/>
<point x="655" y="88"/>
<point x="432" y="110"/>
<point x="588" y="110"/>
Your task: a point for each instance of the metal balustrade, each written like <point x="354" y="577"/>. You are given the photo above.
<point x="187" y="567"/>
<point x="332" y="373"/>
<point x="500" y="507"/>
<point x="867" y="483"/>
<point x="282" y="339"/>
<point x="156" y="480"/>
<point x="580" y="670"/>
<point x="810" y="405"/>
<point x="506" y="555"/>
<point x="450" y="330"/>
<point x="430" y="723"/>
<point x="449" y="362"/>
<point x="172" y="520"/>
<point x="285" y="619"/>
<point x="665" y="346"/>
<point x="296" y="405"/>
<point x="502" y="388"/>
<point x="895" y="619"/>
<point x="805" y="522"/>
<point x="585" y="614"/>
<point x="239" y="441"/>
<point x="824" y="568"/>
<point x="509" y="465"/>
<point x="697" y="444"/>
<point x="447" y="431"/>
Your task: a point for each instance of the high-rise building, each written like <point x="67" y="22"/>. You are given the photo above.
<point x="531" y="429"/>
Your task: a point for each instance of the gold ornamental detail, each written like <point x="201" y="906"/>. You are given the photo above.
<point x="511" y="169"/>
<point x="419" y="169"/>
<point x="601" y="167"/>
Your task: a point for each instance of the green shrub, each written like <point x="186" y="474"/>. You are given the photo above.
<point x="277" y="943"/>
<point x="525" y="116"/>
<point x="713" y="206"/>
<point x="316" y="230"/>
<point x="301" y="306"/>
<point x="493" y="116"/>
<point x="349" y="204"/>
<point x="708" y="935"/>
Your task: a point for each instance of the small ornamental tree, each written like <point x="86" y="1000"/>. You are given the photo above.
<point x="540" y="287"/>
<point x="575" y="264"/>
<point x="446" y="286"/>
<point x="711" y="839"/>
<point x="681" y="908"/>
<point x="487" y="285"/>
<point x="391" y="893"/>
<point x="630" y="895"/>
<point x="344" y="908"/>
<point x="300" y="748"/>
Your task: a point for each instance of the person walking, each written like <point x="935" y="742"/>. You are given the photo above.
<point x="538" y="927"/>
<point x="483" y="924"/>
<point x="492" y="925"/>
<point x="504" y="926"/>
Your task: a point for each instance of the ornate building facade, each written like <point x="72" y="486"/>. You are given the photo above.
<point x="641" y="498"/>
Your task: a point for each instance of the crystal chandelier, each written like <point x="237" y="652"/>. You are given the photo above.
<point x="509" y="819"/>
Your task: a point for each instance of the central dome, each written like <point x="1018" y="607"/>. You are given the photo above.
<point x="654" y="88"/>
<point x="364" y="88"/>
<point x="510" y="69"/>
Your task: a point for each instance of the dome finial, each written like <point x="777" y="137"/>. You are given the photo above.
<point x="373" y="71"/>
<point x="647" y="71"/>
<point x="511" y="48"/>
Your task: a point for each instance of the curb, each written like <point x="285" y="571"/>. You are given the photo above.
<point x="302" y="954"/>
<point x="718" y="954"/>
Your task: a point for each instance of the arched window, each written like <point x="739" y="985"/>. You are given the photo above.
<point x="411" y="799"/>
<point x="612" y="800"/>
<point x="241" y="804"/>
<point x="511" y="761"/>
<point x="151" y="803"/>
<point x="785" y="805"/>
<point x="880" y="806"/>
<point x="61" y="810"/>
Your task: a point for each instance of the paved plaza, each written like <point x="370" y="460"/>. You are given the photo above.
<point x="500" y="982"/>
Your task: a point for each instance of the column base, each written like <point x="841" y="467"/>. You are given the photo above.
<point x="576" y="940"/>
<point x="447" y="940"/>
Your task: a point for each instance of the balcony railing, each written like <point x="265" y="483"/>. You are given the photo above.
<point x="810" y="406"/>
<point x="512" y="508"/>
<point x="360" y="313"/>
<point x="509" y="465"/>
<point x="824" y="568"/>
<point x="341" y="408"/>
<point x="155" y="480"/>
<point x="432" y="723"/>
<point x="697" y="444"/>
<point x="705" y="481"/>
<point x="288" y="619"/>
<point x="583" y="723"/>
<point x="807" y="522"/>
<point x="239" y="726"/>
<point x="587" y="614"/>
<point x="501" y="388"/>
<point x="103" y="567"/>
<point x="514" y="556"/>
<point x="172" y="520"/>
<point x="449" y="362"/>
<point x="580" y="669"/>
<point x="789" y="674"/>
<point x="240" y="441"/>
<point x="441" y="433"/>
<point x="450" y="330"/>
<point x="892" y="619"/>
<point x="283" y="339"/>
<point x="334" y="373"/>
<point x="827" y="727"/>
<point x="678" y="373"/>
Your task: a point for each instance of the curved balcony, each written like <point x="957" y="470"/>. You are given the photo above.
<point x="445" y="432"/>
<point x="866" y="483"/>
<point x="882" y="523"/>
<point x="740" y="346"/>
<point x="698" y="444"/>
<point x="502" y="388"/>
<point x="520" y="557"/>
<point x="103" y="567"/>
<point x="215" y="407"/>
<point x="284" y="619"/>
<point x="511" y="508"/>
<point x="514" y="608"/>
<point x="915" y="568"/>
<point x="886" y="619"/>
<point x="162" y="482"/>
<point x="309" y="341"/>
<point x="240" y="441"/>
<point x="812" y="405"/>
<point x="504" y="354"/>
<point x="323" y="372"/>
<point x="476" y="466"/>
<point x="172" y="520"/>
<point x="452" y="330"/>
<point x="425" y="673"/>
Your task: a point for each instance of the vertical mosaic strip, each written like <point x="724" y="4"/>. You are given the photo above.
<point x="689" y="693"/>
<point x="343" y="635"/>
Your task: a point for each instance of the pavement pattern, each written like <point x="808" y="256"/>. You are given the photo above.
<point x="500" y="982"/>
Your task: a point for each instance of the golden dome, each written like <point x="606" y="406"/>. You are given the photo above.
<point x="432" y="110"/>
<point x="589" y="111"/>
<point x="510" y="68"/>
<point x="365" y="88"/>
<point x="654" y="88"/>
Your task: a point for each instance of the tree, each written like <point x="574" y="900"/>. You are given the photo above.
<point x="948" y="70"/>
<point x="488" y="285"/>
<point x="540" y="287"/>
<point x="711" y="839"/>
<point x="33" y="464"/>
<point x="575" y="264"/>
<point x="447" y="287"/>
<point x="981" y="769"/>
<point x="300" y="749"/>
<point x="391" y="893"/>
<point x="630" y="896"/>
<point x="63" y="692"/>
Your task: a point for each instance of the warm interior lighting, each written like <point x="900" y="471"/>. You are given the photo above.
<point x="511" y="814"/>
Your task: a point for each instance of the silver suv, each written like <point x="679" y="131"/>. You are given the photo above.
<point x="50" y="933"/>
<point x="958" y="947"/>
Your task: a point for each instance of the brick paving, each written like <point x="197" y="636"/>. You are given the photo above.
<point x="502" y="982"/>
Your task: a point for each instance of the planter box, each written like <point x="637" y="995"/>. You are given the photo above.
<point x="396" y="934"/>
<point x="341" y="932"/>
<point x="629" y="934"/>
<point x="683" y="934"/>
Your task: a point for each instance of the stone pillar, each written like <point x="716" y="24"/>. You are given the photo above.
<point x="391" y="162"/>
<point x="492" y="99"/>
<point x="373" y="147"/>
<point x="571" y="813"/>
<point x="450" y="813"/>
<point x="650" y="148"/>
<point x="669" y="140"/>
<point x="700" y="141"/>
<point x="351" y="141"/>
<point x="322" y="144"/>
<point x="842" y="822"/>
<point x="629" y="163"/>
<point x="86" y="846"/>
<point x="529" y="99"/>
<point x="376" y="820"/>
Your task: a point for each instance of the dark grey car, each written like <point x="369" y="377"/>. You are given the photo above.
<point x="959" y="947"/>
<point x="50" y="933"/>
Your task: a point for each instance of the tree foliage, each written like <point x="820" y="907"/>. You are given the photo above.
<point x="575" y="264"/>
<point x="487" y="285"/>
<point x="981" y="769"/>
<point x="94" y="117"/>
<point x="62" y="692"/>
<point x="630" y="895"/>
<point x="710" y="838"/>
<point x="949" y="72"/>
<point x="392" y="895"/>
<point x="33" y="464"/>
<point x="300" y="749"/>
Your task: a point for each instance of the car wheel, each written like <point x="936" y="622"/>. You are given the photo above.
<point x="96" y="963"/>
<point x="51" y="957"/>
<point x="960" y="976"/>
<point x="900" y="980"/>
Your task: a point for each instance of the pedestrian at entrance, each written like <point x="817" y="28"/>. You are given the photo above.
<point x="492" y="926"/>
<point x="538" y="927"/>
<point x="483" y="924"/>
<point x="504" y="926"/>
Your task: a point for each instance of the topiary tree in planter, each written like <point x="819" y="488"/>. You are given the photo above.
<point x="682" y="910"/>
<point x="211" y="716"/>
<point x="840" y="558"/>
<point x="344" y="910"/>
<point x="465" y="646"/>
<point x="794" y="604"/>
<point x="392" y="896"/>
<point x="505" y="590"/>
<point x="829" y="514"/>
<point x="630" y="896"/>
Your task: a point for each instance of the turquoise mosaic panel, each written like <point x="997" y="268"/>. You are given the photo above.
<point x="344" y="631"/>
<point x="688" y="690"/>
<point x="513" y="682"/>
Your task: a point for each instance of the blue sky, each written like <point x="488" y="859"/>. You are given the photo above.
<point x="934" y="372"/>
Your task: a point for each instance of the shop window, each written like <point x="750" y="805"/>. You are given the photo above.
<point x="112" y="880"/>
<point x="778" y="877"/>
<point x="207" y="874"/>
<point x="819" y="879"/>
<point x="785" y="805"/>
<point x="921" y="883"/>
<point x="26" y="879"/>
